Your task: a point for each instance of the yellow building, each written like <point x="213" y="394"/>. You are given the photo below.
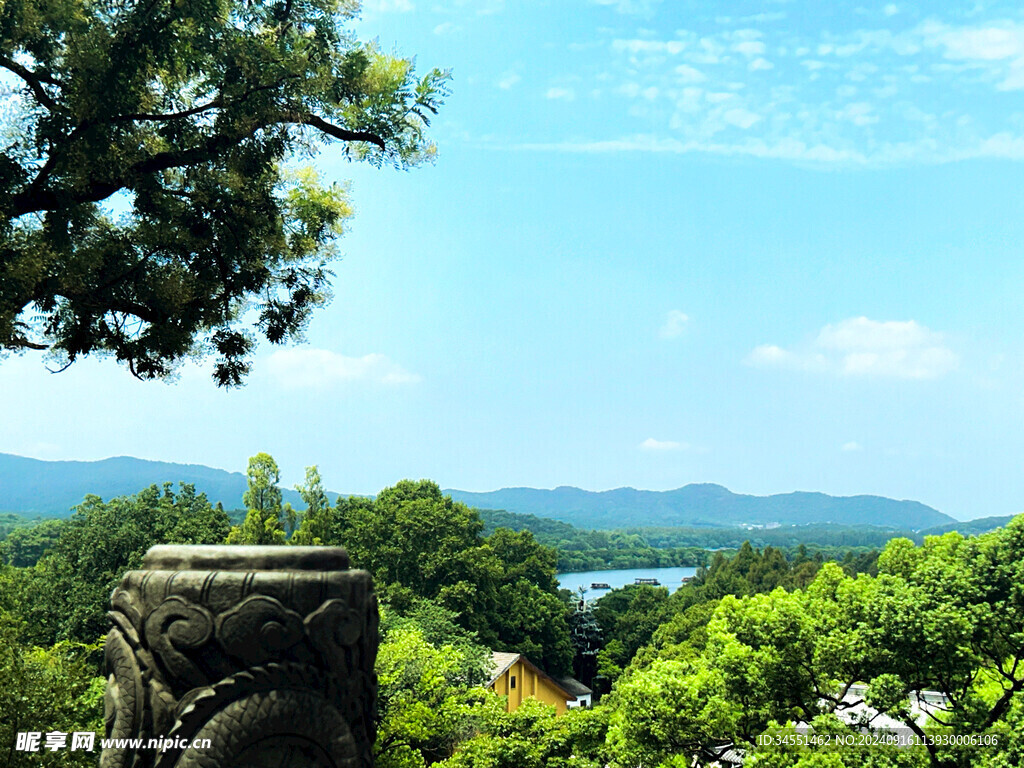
<point x="515" y="676"/>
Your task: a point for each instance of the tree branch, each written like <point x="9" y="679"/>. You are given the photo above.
<point x="22" y="343"/>
<point x="34" y="80"/>
<point x="34" y="199"/>
<point x="1002" y="704"/>
<point x="308" y="118"/>
<point x="153" y="117"/>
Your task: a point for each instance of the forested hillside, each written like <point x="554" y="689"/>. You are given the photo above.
<point x="52" y="488"/>
<point x="761" y="639"/>
<point x="580" y="549"/>
<point x="704" y="504"/>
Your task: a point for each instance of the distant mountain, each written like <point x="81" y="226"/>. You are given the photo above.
<point x="969" y="527"/>
<point x="51" y="488"/>
<point x="704" y="505"/>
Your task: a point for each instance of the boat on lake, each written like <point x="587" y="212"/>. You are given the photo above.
<point x="600" y="585"/>
<point x="652" y="582"/>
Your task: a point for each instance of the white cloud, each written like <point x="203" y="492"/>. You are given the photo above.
<point x="650" y="444"/>
<point x="637" y="46"/>
<point x="741" y="118"/>
<point x="990" y="43"/>
<point x="759" y="64"/>
<point x="688" y="74"/>
<point x="630" y="7"/>
<point x="562" y="94"/>
<point x="445" y="28"/>
<point x="862" y="347"/>
<point x="853" y="445"/>
<point x="859" y="113"/>
<point x="387" y="6"/>
<point x="675" y="324"/>
<point x="302" y="368"/>
<point x="785" y="149"/>
<point x="1002" y="145"/>
<point x="769" y="354"/>
<point x="891" y="9"/>
<point x="508" y="80"/>
<point x="749" y="47"/>
<point x="997" y="49"/>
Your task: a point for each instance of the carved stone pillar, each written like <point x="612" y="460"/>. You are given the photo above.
<point x="268" y="652"/>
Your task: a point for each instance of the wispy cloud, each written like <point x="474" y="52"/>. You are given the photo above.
<point x="650" y="444"/>
<point x="509" y="80"/>
<point x="867" y="348"/>
<point x="900" y="90"/>
<point x="388" y="6"/>
<point x="560" y="94"/>
<point x="636" y="46"/>
<point x="1005" y="145"/>
<point x="852" y="447"/>
<point x="301" y="368"/>
<point x="630" y="7"/>
<point x="674" y="325"/>
<point x="996" y="50"/>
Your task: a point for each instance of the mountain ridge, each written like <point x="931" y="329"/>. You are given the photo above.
<point x="705" y="504"/>
<point x="53" y="488"/>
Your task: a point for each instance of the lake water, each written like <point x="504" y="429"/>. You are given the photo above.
<point x="669" y="577"/>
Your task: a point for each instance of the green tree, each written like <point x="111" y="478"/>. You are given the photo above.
<point x="317" y="506"/>
<point x="947" y="616"/>
<point x="586" y="637"/>
<point x="524" y="557"/>
<point x="533" y="622"/>
<point x="47" y="689"/>
<point x="628" y="618"/>
<point x="24" y="546"/>
<point x="190" y="112"/>
<point x="332" y="525"/>
<point x="430" y="697"/>
<point x="673" y="709"/>
<point x="262" y="524"/>
<point x="533" y="737"/>
<point x="69" y="588"/>
<point x="418" y="543"/>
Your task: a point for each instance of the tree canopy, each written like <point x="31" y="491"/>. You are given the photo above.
<point x="190" y="116"/>
<point x="262" y="524"/>
<point x="69" y="587"/>
<point x="419" y="543"/>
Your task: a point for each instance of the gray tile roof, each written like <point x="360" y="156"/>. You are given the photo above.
<point x="573" y="686"/>
<point x="500" y="661"/>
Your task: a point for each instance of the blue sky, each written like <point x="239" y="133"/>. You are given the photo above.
<point x="772" y="245"/>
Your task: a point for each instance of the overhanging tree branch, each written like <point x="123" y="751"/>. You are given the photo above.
<point x="308" y="118"/>
<point x="34" y="80"/>
<point x="227" y="99"/>
<point x="34" y="199"/>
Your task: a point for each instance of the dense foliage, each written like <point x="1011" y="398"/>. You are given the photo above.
<point x="586" y="550"/>
<point x="418" y="543"/>
<point x="190" y="112"/>
<point x="42" y="687"/>
<point x="758" y="642"/>
<point x="69" y="587"/>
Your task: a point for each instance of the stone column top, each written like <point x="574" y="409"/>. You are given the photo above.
<point x="228" y="557"/>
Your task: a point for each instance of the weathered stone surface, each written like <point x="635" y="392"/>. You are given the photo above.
<point x="268" y="652"/>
